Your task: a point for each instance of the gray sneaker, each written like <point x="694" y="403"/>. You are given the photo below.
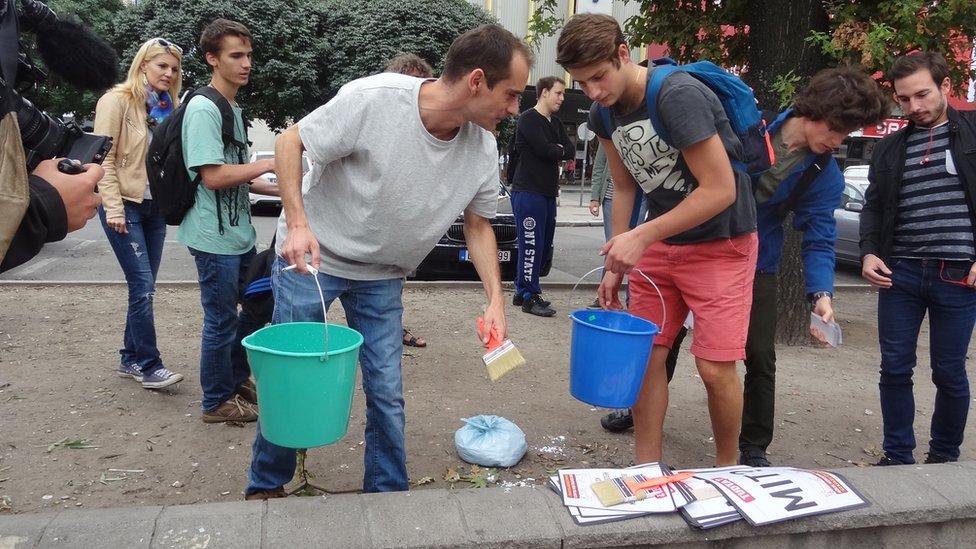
<point x="161" y="378"/>
<point x="130" y="370"/>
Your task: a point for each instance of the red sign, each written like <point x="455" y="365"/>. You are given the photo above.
<point x="885" y="128"/>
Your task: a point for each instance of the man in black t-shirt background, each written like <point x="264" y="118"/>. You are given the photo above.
<point x="542" y="143"/>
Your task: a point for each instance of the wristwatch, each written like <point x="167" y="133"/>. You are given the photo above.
<point x="815" y="296"/>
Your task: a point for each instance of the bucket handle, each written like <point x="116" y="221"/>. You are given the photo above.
<point x="664" y="310"/>
<point x="325" y="320"/>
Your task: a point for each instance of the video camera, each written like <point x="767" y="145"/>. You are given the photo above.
<point x="75" y="54"/>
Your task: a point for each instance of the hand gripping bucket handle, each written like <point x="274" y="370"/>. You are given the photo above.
<point x="664" y="311"/>
<point x="325" y="319"/>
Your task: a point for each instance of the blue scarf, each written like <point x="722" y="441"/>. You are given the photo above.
<point x="158" y="106"/>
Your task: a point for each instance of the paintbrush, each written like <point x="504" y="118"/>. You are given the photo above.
<point x="628" y="489"/>
<point x="502" y="356"/>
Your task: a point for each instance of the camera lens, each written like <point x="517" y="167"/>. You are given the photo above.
<point x="39" y="132"/>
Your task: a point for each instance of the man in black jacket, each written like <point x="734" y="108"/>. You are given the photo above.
<point x="542" y="143"/>
<point x="918" y="248"/>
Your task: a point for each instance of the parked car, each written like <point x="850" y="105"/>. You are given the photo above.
<point x="260" y="200"/>
<point x="848" y="218"/>
<point x="449" y="260"/>
<point x="857" y="176"/>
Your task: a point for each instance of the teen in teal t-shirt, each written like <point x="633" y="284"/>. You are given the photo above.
<point x="202" y="146"/>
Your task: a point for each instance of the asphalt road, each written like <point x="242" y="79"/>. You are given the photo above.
<point x="86" y="256"/>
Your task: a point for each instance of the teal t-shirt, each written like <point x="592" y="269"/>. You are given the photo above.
<point x="203" y="146"/>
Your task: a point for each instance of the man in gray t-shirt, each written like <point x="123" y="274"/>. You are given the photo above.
<point x="395" y="158"/>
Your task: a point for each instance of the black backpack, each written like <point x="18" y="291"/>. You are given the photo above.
<point x="172" y="190"/>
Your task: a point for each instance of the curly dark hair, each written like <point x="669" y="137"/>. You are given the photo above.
<point x="409" y="64"/>
<point x="844" y="97"/>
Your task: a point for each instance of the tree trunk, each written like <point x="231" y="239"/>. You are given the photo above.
<point x="777" y="43"/>
<point x="777" y="33"/>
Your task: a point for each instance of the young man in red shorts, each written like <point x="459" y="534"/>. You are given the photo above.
<point x="699" y="244"/>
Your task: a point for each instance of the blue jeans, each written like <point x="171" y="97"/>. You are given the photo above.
<point x="636" y="217"/>
<point x="139" y="253"/>
<point x="373" y="308"/>
<point x="222" y="365"/>
<point x="917" y="288"/>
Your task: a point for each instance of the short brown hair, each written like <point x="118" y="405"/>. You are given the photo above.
<point x="215" y="31"/>
<point x="908" y="65"/>
<point x="588" y="39"/>
<point x="489" y="48"/>
<point x="410" y="64"/>
<point x="846" y="98"/>
<point x="546" y="83"/>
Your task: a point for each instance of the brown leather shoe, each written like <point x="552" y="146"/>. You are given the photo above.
<point x="266" y="494"/>
<point x="233" y="409"/>
<point x="248" y="391"/>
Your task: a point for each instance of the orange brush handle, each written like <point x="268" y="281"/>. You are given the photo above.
<point x="493" y="340"/>
<point x="666" y="479"/>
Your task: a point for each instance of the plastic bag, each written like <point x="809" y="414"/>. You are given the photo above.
<point x="490" y="441"/>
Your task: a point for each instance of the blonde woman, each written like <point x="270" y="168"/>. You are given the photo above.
<point x="128" y="113"/>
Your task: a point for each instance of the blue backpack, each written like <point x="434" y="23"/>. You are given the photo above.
<point x="737" y="99"/>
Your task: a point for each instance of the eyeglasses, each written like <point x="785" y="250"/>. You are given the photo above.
<point x="166" y="44"/>
<point x="954" y="275"/>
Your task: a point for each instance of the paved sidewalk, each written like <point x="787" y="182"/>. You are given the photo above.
<point x="911" y="506"/>
<point x="570" y="214"/>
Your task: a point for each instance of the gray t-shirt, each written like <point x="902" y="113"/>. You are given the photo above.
<point x="382" y="190"/>
<point x="692" y="113"/>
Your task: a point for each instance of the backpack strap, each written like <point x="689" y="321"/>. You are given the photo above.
<point x="605" y="117"/>
<point x="809" y="175"/>
<point x="663" y="68"/>
<point x="226" y="134"/>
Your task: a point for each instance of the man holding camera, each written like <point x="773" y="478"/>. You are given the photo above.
<point x="41" y="204"/>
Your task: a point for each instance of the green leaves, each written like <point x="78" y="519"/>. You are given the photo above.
<point x="72" y="444"/>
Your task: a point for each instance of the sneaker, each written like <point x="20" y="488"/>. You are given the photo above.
<point x="937" y="458"/>
<point x="753" y="458"/>
<point x="536" y="306"/>
<point x="618" y="421"/>
<point x="886" y="461"/>
<point x="518" y="300"/>
<point x="131" y="371"/>
<point x="161" y="378"/>
<point x="248" y="391"/>
<point x="595" y="304"/>
<point x="233" y="409"/>
<point x="266" y="494"/>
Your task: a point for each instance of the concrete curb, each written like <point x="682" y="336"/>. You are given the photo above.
<point x="579" y="223"/>
<point x="912" y="506"/>
<point x="434" y="284"/>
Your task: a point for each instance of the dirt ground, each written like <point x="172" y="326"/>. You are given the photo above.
<point x="57" y="383"/>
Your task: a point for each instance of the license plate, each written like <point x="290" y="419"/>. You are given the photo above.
<point x="504" y="256"/>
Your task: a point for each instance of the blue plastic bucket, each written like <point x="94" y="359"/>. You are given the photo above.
<point x="608" y="356"/>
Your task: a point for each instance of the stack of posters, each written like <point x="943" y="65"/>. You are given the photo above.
<point x="714" y="496"/>
<point x="585" y="507"/>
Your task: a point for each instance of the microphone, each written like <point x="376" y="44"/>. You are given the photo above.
<point x="78" y="56"/>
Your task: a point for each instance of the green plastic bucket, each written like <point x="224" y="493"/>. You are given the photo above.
<point x="304" y="397"/>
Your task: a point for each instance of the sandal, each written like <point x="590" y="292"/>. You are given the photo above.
<point x="411" y="341"/>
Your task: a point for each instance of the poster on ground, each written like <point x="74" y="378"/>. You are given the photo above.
<point x="709" y="508"/>
<point x="774" y="494"/>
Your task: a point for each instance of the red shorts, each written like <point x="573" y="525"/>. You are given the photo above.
<point x="711" y="279"/>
